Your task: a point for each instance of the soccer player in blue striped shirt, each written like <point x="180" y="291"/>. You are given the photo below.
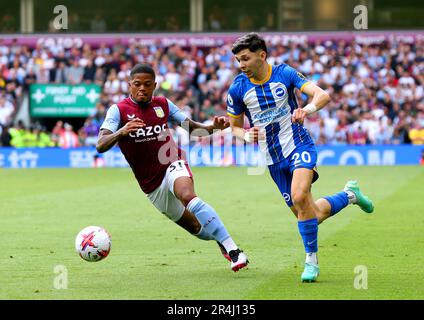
<point x="265" y="94"/>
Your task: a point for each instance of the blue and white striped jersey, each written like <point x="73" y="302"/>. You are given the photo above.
<point x="269" y="105"/>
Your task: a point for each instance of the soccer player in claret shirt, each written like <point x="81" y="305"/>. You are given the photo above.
<point x="265" y="94"/>
<point x="139" y="124"/>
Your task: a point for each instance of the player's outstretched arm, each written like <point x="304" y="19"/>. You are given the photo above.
<point x="107" y="139"/>
<point x="320" y="99"/>
<point x="198" y="129"/>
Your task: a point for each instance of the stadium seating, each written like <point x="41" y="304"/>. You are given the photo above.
<point x="377" y="90"/>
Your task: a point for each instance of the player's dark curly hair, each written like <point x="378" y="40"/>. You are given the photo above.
<point x="142" y="68"/>
<point x="251" y="41"/>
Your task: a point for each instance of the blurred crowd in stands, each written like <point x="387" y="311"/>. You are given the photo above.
<point x="377" y="91"/>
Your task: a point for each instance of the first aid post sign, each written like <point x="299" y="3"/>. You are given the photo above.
<point x="62" y="100"/>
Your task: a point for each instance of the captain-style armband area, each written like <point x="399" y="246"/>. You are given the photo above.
<point x="310" y="108"/>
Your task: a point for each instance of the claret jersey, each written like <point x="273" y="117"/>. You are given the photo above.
<point x="151" y="149"/>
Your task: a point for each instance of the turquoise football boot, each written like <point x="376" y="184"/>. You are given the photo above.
<point x="361" y="200"/>
<point x="311" y="272"/>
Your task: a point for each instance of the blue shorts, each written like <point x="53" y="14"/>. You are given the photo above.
<point x="282" y="172"/>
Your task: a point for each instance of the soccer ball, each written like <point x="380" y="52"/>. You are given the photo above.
<point x="93" y="243"/>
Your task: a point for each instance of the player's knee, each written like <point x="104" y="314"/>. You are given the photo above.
<point x="299" y="198"/>
<point x="186" y="196"/>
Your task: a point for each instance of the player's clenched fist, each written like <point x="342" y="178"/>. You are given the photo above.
<point x="254" y="135"/>
<point x="299" y="116"/>
<point x="132" y="126"/>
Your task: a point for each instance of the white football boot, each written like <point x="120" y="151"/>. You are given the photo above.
<point x="238" y="260"/>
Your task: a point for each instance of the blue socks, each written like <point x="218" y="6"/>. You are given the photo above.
<point x="212" y="226"/>
<point x="337" y="201"/>
<point x="309" y="231"/>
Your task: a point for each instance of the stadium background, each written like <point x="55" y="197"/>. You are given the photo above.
<point x="375" y="78"/>
<point x="376" y="117"/>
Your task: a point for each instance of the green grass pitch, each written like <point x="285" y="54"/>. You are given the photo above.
<point x="41" y="212"/>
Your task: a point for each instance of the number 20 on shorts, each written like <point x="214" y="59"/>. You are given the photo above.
<point x="305" y="156"/>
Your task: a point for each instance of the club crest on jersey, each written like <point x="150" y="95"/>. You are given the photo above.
<point x="279" y="91"/>
<point x="159" y="112"/>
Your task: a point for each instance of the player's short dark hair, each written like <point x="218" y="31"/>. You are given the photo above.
<point x="142" y="68"/>
<point x="251" y="41"/>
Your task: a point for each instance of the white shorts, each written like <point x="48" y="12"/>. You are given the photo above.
<point x="163" y="198"/>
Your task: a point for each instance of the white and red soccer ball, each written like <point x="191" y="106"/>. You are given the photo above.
<point x="93" y="243"/>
